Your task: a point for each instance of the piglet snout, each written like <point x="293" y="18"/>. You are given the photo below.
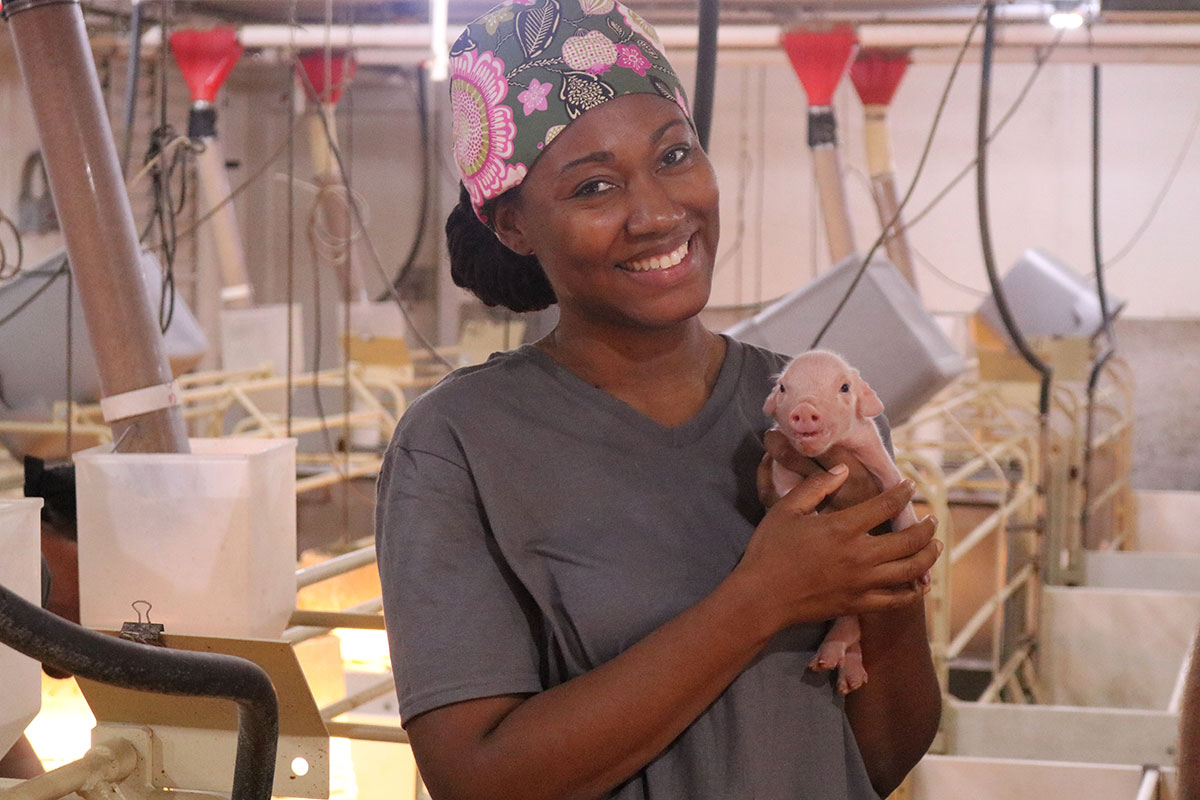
<point x="805" y="415"/>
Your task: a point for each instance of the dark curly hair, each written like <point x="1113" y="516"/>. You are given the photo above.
<point x="482" y="265"/>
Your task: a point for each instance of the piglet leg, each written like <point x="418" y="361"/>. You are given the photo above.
<point x="842" y="648"/>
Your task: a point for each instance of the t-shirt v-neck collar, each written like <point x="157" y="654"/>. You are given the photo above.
<point x="677" y="436"/>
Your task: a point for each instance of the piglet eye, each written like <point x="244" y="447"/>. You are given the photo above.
<point x="845" y="387"/>
<point x="782" y="389"/>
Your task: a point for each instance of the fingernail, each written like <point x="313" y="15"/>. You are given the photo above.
<point x="937" y="543"/>
<point x="932" y="519"/>
<point x="838" y="469"/>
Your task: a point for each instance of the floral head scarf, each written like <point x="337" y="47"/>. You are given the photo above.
<point x="522" y="72"/>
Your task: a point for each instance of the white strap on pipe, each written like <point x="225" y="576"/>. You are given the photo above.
<point x="240" y="291"/>
<point x="139" y="401"/>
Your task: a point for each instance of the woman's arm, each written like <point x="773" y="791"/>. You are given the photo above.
<point x="585" y="737"/>
<point x="896" y="714"/>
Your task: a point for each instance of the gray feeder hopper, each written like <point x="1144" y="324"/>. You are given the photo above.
<point x="33" y="354"/>
<point x="1047" y="298"/>
<point x="884" y="331"/>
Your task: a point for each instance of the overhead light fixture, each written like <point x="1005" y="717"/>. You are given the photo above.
<point x="1071" y="14"/>
<point x="1066" y="20"/>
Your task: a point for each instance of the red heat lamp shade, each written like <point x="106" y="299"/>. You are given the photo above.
<point x="877" y="72"/>
<point x="820" y="59"/>
<point x="205" y="58"/>
<point x="341" y="69"/>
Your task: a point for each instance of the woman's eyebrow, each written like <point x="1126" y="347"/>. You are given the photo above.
<point x="661" y="132"/>
<point x="604" y="156"/>
<point x="599" y="157"/>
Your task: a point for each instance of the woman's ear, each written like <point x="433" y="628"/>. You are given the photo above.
<point x="506" y="222"/>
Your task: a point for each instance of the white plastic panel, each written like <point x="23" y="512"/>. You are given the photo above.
<point x="20" y="572"/>
<point x="208" y="539"/>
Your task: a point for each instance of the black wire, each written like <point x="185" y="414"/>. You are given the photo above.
<point x="28" y="301"/>
<point x="5" y="267"/>
<point x="1040" y="62"/>
<point x="426" y="185"/>
<point x="358" y="219"/>
<point x="706" y="69"/>
<point x="1106" y="327"/>
<point x="1188" y="141"/>
<point x="985" y="233"/>
<point x="883" y="234"/>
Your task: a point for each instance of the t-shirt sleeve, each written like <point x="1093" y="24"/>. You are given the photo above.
<point x="458" y="620"/>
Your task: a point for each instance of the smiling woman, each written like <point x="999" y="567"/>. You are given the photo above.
<point x="585" y="593"/>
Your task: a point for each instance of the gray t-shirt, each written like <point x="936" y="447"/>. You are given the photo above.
<point x="531" y="527"/>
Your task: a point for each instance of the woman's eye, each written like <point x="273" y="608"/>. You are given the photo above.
<point x="676" y="155"/>
<point x="592" y="188"/>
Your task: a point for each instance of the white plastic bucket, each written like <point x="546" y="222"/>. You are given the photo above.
<point x="207" y="538"/>
<point x="20" y="572"/>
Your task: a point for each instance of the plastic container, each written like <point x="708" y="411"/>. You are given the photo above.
<point x="251" y="337"/>
<point x="20" y="572"/>
<point x="884" y="331"/>
<point x="208" y="539"/>
<point x="1047" y="298"/>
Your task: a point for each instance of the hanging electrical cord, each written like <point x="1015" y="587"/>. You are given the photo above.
<point x="426" y="185"/>
<point x="1039" y="62"/>
<point x="865" y="183"/>
<point x="883" y="234"/>
<point x="289" y="145"/>
<point x="165" y="208"/>
<point x="985" y="233"/>
<point x="376" y="261"/>
<point x="1188" y="140"/>
<point x="132" y="73"/>
<point x="706" y="69"/>
<point x="10" y="269"/>
<point x="28" y="301"/>
<point x="1106" y="327"/>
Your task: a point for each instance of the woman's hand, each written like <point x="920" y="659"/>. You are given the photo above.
<point x="859" y="486"/>
<point x="810" y="567"/>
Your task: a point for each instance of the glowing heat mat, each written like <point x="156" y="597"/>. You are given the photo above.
<point x="877" y="72"/>
<point x="205" y="58"/>
<point x="820" y="59"/>
<point x="328" y="86"/>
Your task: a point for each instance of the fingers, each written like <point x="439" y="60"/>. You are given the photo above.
<point x="781" y="450"/>
<point x="765" y="482"/>
<point x="878" y="509"/>
<point x="811" y="491"/>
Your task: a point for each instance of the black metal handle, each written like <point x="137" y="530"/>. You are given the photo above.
<point x="106" y="659"/>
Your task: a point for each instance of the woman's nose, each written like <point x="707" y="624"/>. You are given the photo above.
<point x="652" y="209"/>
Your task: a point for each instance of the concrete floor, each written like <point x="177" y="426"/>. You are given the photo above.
<point x="1165" y="357"/>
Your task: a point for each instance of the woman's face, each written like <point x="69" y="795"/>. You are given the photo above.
<point x="621" y="211"/>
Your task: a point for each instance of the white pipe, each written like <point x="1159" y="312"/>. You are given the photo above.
<point x="104" y="764"/>
<point x="214" y="188"/>
<point x="755" y="37"/>
<point x="338" y="565"/>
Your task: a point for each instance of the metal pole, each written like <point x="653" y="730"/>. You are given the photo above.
<point x="93" y="207"/>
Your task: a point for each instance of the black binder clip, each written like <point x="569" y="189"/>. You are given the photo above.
<point x="143" y="632"/>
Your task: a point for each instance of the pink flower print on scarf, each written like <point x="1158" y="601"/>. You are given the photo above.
<point x="483" y="128"/>
<point x="630" y="56"/>
<point x="534" y="98"/>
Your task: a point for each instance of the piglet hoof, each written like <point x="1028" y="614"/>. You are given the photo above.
<point x="852" y="674"/>
<point x="830" y="655"/>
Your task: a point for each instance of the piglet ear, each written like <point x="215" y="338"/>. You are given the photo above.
<point x="869" y="404"/>
<point x="772" y="402"/>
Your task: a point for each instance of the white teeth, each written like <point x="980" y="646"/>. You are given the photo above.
<point x="660" y="262"/>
